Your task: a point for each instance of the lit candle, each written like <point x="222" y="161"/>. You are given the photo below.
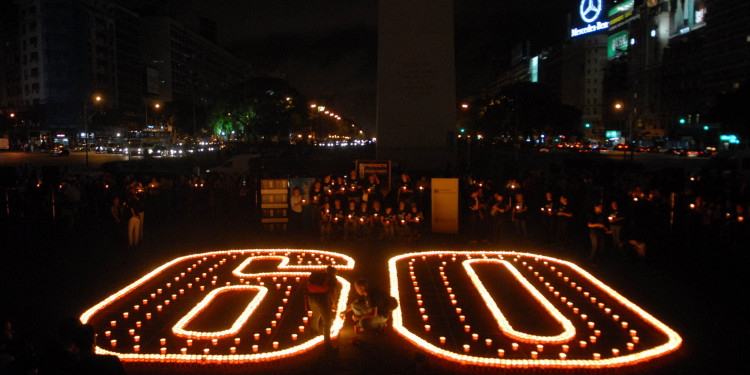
<point x="592" y="339"/>
<point x="582" y="343"/>
<point x="615" y="317"/>
<point x="540" y="348"/>
<point x="597" y="356"/>
<point x="275" y="345"/>
<point x="442" y="340"/>
<point x="113" y="323"/>
<point x="301" y="329"/>
<point x="268" y="331"/>
<point x="534" y="354"/>
<point x="233" y="350"/>
<point x="591" y="325"/>
<point x="635" y="339"/>
<point x="255" y="348"/>
<point x="278" y="315"/>
<point x="488" y="342"/>
<point x="466" y="348"/>
<point x="158" y="291"/>
<point x="294" y="337"/>
<point x="424" y="318"/>
<point x="475" y="336"/>
<point x="563" y="356"/>
<point x="630" y="345"/>
<point x="427" y="327"/>
<point x="597" y="333"/>
<point x="467" y="328"/>
<point x="624" y="325"/>
<point x="131" y="332"/>
<point x="113" y="342"/>
<point x="136" y="307"/>
<point x="174" y="296"/>
<point x="515" y="346"/>
<point x="162" y="341"/>
<point x="136" y="348"/>
<point x="256" y="336"/>
<point x="148" y="316"/>
<point x="309" y="314"/>
<point x="158" y="308"/>
<point x="615" y="352"/>
<point x="107" y="333"/>
<point x="136" y="338"/>
<point x="145" y="302"/>
<point x="206" y="351"/>
<point x="203" y="288"/>
<point x="462" y="317"/>
<point x="189" y="342"/>
<point x="458" y="310"/>
<point x="166" y="302"/>
<point x="163" y="350"/>
<point x="565" y="348"/>
<point x="273" y="323"/>
<point x="214" y="342"/>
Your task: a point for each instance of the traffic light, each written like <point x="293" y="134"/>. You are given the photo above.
<point x="682" y="121"/>
<point x="588" y="125"/>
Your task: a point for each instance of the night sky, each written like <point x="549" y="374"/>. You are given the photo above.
<point x="328" y="49"/>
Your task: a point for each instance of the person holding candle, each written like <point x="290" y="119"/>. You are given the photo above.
<point x="364" y="222"/>
<point x="371" y="309"/>
<point x="296" y="202"/>
<point x="499" y="212"/>
<point x="416" y="222"/>
<point x="325" y="222"/>
<point x="598" y="230"/>
<point x="564" y="215"/>
<point x="519" y="214"/>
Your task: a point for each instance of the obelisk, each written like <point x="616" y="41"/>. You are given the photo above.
<point x="416" y="109"/>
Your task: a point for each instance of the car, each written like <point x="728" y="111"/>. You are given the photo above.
<point x="59" y="150"/>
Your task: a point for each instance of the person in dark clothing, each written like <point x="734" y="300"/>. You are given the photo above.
<point x="322" y="293"/>
<point x="564" y="215"/>
<point x="597" y="224"/>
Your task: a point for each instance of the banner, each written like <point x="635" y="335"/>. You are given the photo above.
<point x="444" y="205"/>
<point x="380" y="168"/>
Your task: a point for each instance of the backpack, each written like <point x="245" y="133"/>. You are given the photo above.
<point x="317" y="282"/>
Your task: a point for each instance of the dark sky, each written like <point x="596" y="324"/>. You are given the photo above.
<point x="328" y="49"/>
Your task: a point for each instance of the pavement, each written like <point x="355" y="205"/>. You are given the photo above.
<point x="47" y="275"/>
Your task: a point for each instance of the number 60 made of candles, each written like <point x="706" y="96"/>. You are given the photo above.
<point x="233" y="307"/>
<point x="519" y="311"/>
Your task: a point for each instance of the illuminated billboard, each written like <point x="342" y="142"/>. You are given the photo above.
<point x="617" y="43"/>
<point x="686" y="15"/>
<point x="620" y="12"/>
<point x="592" y="18"/>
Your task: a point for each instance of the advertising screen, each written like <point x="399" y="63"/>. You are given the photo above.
<point x="620" y="12"/>
<point x="687" y="15"/>
<point x="617" y="43"/>
<point x="590" y="17"/>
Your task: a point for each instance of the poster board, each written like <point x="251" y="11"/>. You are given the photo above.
<point x="444" y="205"/>
<point x="381" y="168"/>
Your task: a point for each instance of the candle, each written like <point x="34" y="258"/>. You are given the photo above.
<point x="131" y="332"/>
<point x="515" y="346"/>
<point x="268" y="331"/>
<point x="592" y="339"/>
<point x="204" y="288"/>
<point x="597" y="333"/>
<point x="163" y="350"/>
<point x="565" y="348"/>
<point x="540" y="348"/>
<point x="458" y="310"/>
<point x="615" y="352"/>
<point x="148" y="316"/>
<point x="138" y="324"/>
<point x="615" y="317"/>
<point x="462" y="317"/>
<point x="232" y="350"/>
<point x="162" y="341"/>
<point x="189" y="342"/>
<point x="424" y="318"/>
<point x="304" y="320"/>
<point x="275" y="345"/>
<point x="475" y="336"/>
<point x="107" y="333"/>
<point x="597" y="356"/>
<point x="427" y="327"/>
<point x="273" y="323"/>
<point x="442" y="340"/>
<point x="582" y="343"/>
<point x="256" y="336"/>
<point x="136" y="338"/>
<point x="633" y="332"/>
<point x="488" y="342"/>
<point x="624" y="324"/>
<point x="278" y="315"/>
<point x="563" y="356"/>
<point x="630" y="345"/>
<point x="501" y="353"/>
<point x="255" y="348"/>
<point x="294" y="337"/>
<point x="635" y="339"/>
<point x="214" y="342"/>
<point x="136" y="307"/>
<point x="206" y="351"/>
<point x="136" y="348"/>
<point x="166" y="302"/>
<point x="113" y="323"/>
<point x="158" y="308"/>
<point x="113" y="343"/>
<point x="301" y="329"/>
<point x="534" y="354"/>
<point x="466" y="348"/>
<point x="309" y="314"/>
<point x="467" y="328"/>
<point x="591" y="325"/>
<point x="145" y="302"/>
<point x="158" y="291"/>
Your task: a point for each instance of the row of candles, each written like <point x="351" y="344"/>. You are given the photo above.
<point x="634" y="358"/>
<point x="328" y="257"/>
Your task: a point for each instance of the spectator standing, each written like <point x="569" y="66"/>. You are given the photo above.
<point x="597" y="224"/>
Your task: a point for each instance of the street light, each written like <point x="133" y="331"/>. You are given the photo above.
<point x="145" y="106"/>
<point x="97" y="100"/>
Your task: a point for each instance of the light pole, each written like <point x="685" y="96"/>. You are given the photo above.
<point x="145" y="107"/>
<point x="97" y="100"/>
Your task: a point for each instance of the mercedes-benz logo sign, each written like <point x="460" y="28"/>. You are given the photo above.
<point x="590" y="10"/>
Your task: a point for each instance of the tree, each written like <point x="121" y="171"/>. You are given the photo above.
<point x="259" y="107"/>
